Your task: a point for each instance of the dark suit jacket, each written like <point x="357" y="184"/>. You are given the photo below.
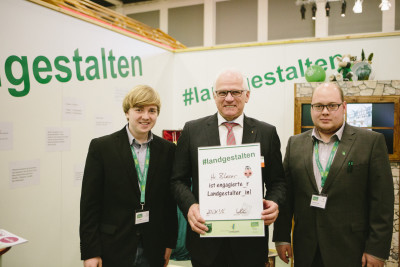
<point x="204" y="132"/>
<point x="111" y="194"/>
<point x="359" y="211"/>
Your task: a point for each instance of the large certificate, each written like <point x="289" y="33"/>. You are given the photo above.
<point x="230" y="190"/>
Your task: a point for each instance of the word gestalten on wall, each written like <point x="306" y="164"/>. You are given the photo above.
<point x="17" y="69"/>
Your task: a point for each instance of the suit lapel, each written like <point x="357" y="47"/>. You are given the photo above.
<point x="125" y="152"/>
<point x="342" y="153"/>
<point x="308" y="159"/>
<point x="249" y="131"/>
<point x="212" y="131"/>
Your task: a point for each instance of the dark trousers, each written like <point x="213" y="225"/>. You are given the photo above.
<point x="317" y="262"/>
<point x="140" y="259"/>
<point x="224" y="258"/>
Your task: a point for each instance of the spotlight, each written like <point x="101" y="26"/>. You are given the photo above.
<point x="357" y="6"/>
<point x="314" y="10"/>
<point x="327" y="8"/>
<point x="303" y="12"/>
<point x="343" y="8"/>
<point x="385" y="5"/>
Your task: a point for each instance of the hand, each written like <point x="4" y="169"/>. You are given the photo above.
<point x="93" y="262"/>
<point x="167" y="255"/>
<point x="284" y="252"/>
<point x="195" y="220"/>
<point x="270" y="212"/>
<point x="370" y="261"/>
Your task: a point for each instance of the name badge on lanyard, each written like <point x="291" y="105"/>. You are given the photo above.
<point x="142" y="215"/>
<point x="319" y="201"/>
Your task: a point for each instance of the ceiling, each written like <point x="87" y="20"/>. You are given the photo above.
<point x="106" y="3"/>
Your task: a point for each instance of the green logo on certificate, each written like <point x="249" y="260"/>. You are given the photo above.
<point x="254" y="224"/>
<point x="209" y="225"/>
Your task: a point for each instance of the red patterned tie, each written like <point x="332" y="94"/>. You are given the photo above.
<point x="230" y="138"/>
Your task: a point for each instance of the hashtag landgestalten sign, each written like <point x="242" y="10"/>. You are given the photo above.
<point x="280" y="74"/>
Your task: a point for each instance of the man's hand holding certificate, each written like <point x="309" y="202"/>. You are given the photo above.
<point x="230" y="191"/>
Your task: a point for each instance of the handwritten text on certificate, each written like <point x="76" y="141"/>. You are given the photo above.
<point x="230" y="183"/>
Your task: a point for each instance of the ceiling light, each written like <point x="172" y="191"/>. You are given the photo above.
<point x="327" y="8"/>
<point x="385" y="5"/>
<point x="303" y="12"/>
<point x="343" y="14"/>
<point x="314" y="10"/>
<point x="357" y="6"/>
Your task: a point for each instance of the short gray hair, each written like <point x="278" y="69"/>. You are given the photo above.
<point x="235" y="72"/>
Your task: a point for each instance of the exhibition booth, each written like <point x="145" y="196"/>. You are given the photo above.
<point x="62" y="81"/>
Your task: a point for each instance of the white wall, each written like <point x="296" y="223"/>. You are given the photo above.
<point x="47" y="213"/>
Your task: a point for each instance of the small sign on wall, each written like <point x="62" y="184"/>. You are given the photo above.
<point x="58" y="139"/>
<point x="6" y="136"/>
<point x="24" y="173"/>
<point x="78" y="173"/>
<point x="73" y="109"/>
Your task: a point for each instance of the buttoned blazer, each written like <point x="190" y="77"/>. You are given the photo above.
<point x="204" y="132"/>
<point x="358" y="216"/>
<point x="111" y="194"/>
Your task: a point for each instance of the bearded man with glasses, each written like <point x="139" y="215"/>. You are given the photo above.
<point x="340" y="191"/>
<point x="227" y="127"/>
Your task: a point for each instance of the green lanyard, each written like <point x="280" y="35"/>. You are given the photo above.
<point x="324" y="174"/>
<point x="142" y="176"/>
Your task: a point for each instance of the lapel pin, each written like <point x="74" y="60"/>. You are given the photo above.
<point x="252" y="132"/>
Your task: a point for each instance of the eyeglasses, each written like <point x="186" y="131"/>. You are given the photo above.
<point x="234" y="93"/>
<point x="329" y="107"/>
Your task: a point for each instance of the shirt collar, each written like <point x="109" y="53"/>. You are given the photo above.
<point x="132" y="140"/>
<point x="338" y="134"/>
<point x="238" y="120"/>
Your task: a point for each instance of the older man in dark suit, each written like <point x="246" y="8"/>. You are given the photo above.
<point x="340" y="191"/>
<point x="128" y="215"/>
<point x="231" y="95"/>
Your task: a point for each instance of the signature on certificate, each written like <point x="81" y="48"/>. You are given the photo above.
<point x="243" y="210"/>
